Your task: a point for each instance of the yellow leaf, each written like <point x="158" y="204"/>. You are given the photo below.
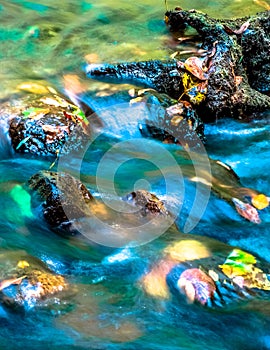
<point x="232" y="271"/>
<point x="22" y="264"/>
<point x="239" y="266"/>
<point x="187" y="81"/>
<point x="227" y="270"/>
<point x="34" y="88"/>
<point x="197" y="99"/>
<point x="255" y="279"/>
<point x="260" y="201"/>
<point x="50" y="101"/>
<point x="240" y="256"/>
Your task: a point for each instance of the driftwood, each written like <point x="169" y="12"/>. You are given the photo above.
<point x="234" y="75"/>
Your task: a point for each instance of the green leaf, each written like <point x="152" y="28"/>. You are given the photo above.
<point x="238" y="255"/>
<point x="239" y="266"/>
<point x="33" y="112"/>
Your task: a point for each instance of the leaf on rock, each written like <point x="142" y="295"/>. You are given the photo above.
<point x="35" y="113"/>
<point x="81" y="116"/>
<point x="196" y="285"/>
<point x="22" y="264"/>
<point x="238" y="255"/>
<point x="240" y="267"/>
<point x="188" y="289"/>
<point x="187" y="81"/>
<point x="194" y="65"/>
<point x="196" y="91"/>
<point x="34" y="88"/>
<point x="53" y="102"/>
<point x="195" y="96"/>
<point x="6" y="283"/>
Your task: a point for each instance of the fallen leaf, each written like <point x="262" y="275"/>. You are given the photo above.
<point x="260" y="201"/>
<point x="238" y="80"/>
<point x="34" y="88"/>
<point x="241" y="256"/>
<point x="194" y="65"/>
<point x="240" y="267"/>
<point x="196" y="91"/>
<point x="247" y="211"/>
<point x="35" y="113"/>
<point x="213" y="275"/>
<point x="91" y="58"/>
<point x="241" y="30"/>
<point x="73" y="85"/>
<point x="50" y="128"/>
<point x="6" y="283"/>
<point x="197" y="285"/>
<point x="22" y="264"/>
<point x="188" y="289"/>
<point x="52" y="102"/>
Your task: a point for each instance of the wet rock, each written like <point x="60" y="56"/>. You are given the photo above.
<point x="172" y="121"/>
<point x="41" y="125"/>
<point x="196" y="285"/>
<point x="25" y="283"/>
<point x="239" y="65"/>
<point x="162" y="76"/>
<point x="148" y="202"/>
<point x="151" y="207"/>
<point x="206" y="272"/>
<point x="231" y="81"/>
<point x="64" y="199"/>
<point x="70" y="209"/>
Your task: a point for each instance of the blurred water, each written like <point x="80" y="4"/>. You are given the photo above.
<point x="45" y="40"/>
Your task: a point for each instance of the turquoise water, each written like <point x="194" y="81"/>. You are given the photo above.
<point x="108" y="308"/>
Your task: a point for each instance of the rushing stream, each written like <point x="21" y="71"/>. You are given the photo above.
<point x="106" y="306"/>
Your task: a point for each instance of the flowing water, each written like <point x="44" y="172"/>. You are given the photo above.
<point x="45" y="40"/>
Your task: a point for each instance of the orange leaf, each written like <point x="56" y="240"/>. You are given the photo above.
<point x="260" y="201"/>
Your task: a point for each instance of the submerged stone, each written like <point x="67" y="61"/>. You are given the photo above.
<point x="206" y="272"/>
<point x="26" y="283"/>
<point x="148" y="202"/>
<point x="64" y="199"/>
